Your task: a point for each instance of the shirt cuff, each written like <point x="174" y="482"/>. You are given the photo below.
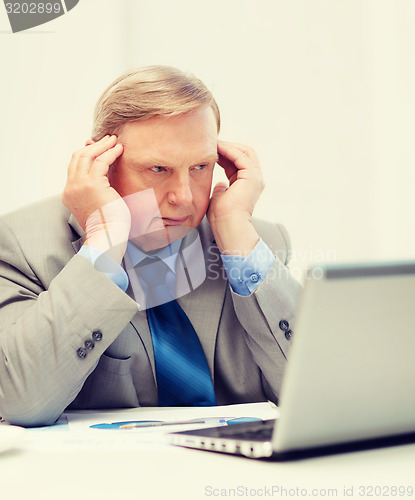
<point x="106" y="265"/>
<point x="245" y="274"/>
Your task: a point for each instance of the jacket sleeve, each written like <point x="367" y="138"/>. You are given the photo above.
<point x="51" y="340"/>
<point x="267" y="314"/>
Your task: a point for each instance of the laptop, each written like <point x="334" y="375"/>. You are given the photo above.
<point x="350" y="377"/>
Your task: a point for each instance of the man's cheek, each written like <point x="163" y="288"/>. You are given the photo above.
<point x="202" y="208"/>
<point x="145" y="212"/>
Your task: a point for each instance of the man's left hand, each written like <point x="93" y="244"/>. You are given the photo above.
<point x="230" y="209"/>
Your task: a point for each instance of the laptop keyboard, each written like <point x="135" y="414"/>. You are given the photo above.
<point x="249" y="431"/>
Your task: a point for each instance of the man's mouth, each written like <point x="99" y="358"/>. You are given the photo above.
<point x="167" y="221"/>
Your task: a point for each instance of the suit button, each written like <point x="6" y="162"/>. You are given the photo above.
<point x="82" y="353"/>
<point x="288" y="334"/>
<point x="254" y="278"/>
<point x="97" y="335"/>
<point x="89" y="344"/>
<point x="284" y="325"/>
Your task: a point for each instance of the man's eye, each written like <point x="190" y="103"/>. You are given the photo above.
<point x="157" y="169"/>
<point x="200" y="167"/>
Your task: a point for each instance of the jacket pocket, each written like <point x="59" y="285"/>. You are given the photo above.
<point x="110" y="385"/>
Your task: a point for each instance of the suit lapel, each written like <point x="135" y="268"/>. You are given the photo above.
<point x="77" y="229"/>
<point x="139" y="322"/>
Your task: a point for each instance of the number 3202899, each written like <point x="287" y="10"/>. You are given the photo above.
<point x="386" y="491"/>
<point x="33" y="8"/>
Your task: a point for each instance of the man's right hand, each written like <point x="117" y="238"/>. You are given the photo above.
<point x="97" y="206"/>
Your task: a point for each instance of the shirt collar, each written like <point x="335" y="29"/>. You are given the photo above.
<point x="167" y="254"/>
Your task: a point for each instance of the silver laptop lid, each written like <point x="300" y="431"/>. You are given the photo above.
<point x="351" y="369"/>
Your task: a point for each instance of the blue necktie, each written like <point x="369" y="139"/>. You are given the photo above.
<point x="183" y="377"/>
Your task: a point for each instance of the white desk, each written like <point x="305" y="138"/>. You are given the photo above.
<point x="166" y="472"/>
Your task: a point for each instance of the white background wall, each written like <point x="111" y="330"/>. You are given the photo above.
<point x="322" y="89"/>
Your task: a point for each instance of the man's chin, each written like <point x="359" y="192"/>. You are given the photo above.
<point x="153" y="241"/>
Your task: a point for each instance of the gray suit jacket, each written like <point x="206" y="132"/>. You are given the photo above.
<point x="52" y="301"/>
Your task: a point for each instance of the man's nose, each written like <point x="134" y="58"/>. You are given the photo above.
<point x="180" y="191"/>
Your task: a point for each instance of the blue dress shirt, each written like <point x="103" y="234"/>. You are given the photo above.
<point x="245" y="274"/>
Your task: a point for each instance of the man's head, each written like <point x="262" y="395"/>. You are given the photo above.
<point x="167" y="123"/>
<point x="147" y="92"/>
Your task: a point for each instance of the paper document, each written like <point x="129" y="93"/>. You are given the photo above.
<point x="86" y="418"/>
<point x="78" y="434"/>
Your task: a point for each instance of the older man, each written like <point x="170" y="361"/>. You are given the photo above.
<point x="126" y="294"/>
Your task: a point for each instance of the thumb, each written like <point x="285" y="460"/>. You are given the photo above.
<point x="219" y="188"/>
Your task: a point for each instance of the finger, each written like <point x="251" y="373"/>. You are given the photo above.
<point x="97" y="148"/>
<point x="233" y="151"/>
<point x="103" y="162"/>
<point x="242" y="147"/>
<point x="82" y="160"/>
<point x="234" y="161"/>
<point x="242" y="156"/>
<point x="73" y="168"/>
<point x="229" y="167"/>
